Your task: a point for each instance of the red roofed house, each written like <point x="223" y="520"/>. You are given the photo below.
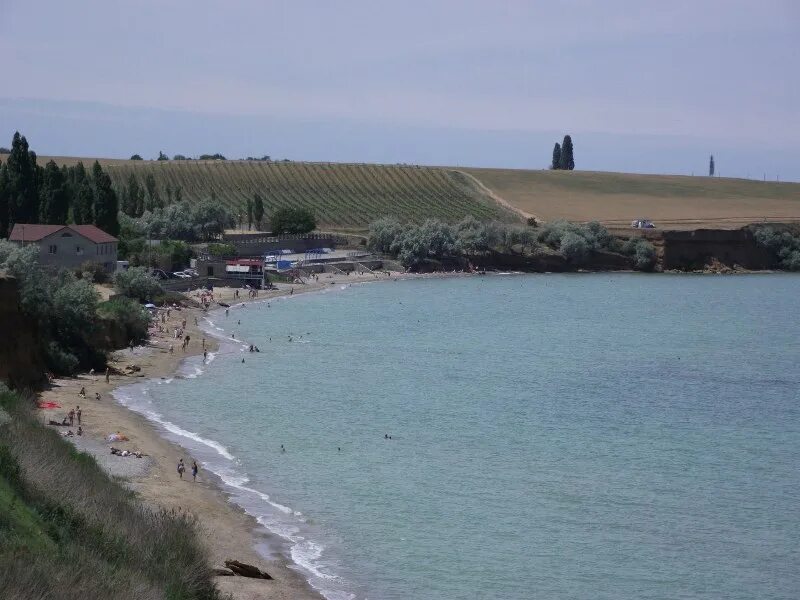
<point x="68" y="246"/>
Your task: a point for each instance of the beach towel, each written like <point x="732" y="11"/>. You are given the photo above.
<point x="49" y="405"/>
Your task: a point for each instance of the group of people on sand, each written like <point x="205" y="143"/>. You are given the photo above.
<point x="182" y="468"/>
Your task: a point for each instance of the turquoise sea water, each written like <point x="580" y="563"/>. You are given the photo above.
<point x="553" y="436"/>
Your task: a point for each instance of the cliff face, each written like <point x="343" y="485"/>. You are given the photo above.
<point x="21" y="361"/>
<point x="694" y="250"/>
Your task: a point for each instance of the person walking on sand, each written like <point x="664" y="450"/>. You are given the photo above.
<point x="181" y="468"/>
<point x="71" y="415"/>
<point x="78" y="414"/>
<point x="108" y="375"/>
<point x="194" y="470"/>
<point x="82" y="393"/>
<point x="97" y="395"/>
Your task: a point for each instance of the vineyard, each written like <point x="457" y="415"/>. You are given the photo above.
<point x="341" y="196"/>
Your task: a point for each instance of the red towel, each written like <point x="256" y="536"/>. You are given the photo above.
<point x="49" y="405"/>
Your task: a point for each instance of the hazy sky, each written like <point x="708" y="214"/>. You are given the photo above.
<point x="642" y="86"/>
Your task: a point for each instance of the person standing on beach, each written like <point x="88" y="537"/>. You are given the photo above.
<point x="108" y="374"/>
<point x="78" y="414"/>
<point x="71" y="415"/>
<point x="194" y="470"/>
<point x="181" y="468"/>
<point x="82" y="393"/>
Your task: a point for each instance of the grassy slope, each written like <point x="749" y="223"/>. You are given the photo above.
<point x="68" y="531"/>
<point x="342" y="196"/>
<point x="617" y="198"/>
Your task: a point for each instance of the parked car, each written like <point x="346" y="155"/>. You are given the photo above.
<point x="190" y="272"/>
<point x="181" y="275"/>
<point x="642" y="224"/>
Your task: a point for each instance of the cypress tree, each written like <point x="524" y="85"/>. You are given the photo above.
<point x="153" y="197"/>
<point x="567" y="158"/>
<point x="54" y="201"/>
<point x="556" y="163"/>
<point x="258" y="209"/>
<point x="130" y="202"/>
<point x="106" y="205"/>
<point x="23" y="192"/>
<point x="82" y="204"/>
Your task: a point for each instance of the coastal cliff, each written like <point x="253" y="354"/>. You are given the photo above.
<point x="21" y="361"/>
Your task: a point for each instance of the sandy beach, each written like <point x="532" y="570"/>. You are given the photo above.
<point x="228" y="532"/>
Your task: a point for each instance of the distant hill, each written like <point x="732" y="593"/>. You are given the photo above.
<point x="615" y="199"/>
<point x="342" y="196"/>
<point x="348" y="196"/>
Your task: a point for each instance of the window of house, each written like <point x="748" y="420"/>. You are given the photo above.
<point x="78" y="250"/>
<point x="52" y="248"/>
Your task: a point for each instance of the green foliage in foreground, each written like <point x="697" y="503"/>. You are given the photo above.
<point x="783" y="245"/>
<point x="68" y="531"/>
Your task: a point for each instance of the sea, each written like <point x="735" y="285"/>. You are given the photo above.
<point x="596" y="436"/>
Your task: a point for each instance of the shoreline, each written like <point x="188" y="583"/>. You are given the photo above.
<point x="227" y="530"/>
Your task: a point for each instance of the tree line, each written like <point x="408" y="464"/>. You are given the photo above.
<point x="563" y="158"/>
<point x="30" y="193"/>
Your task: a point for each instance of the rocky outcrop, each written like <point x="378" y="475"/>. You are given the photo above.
<point x="21" y="360"/>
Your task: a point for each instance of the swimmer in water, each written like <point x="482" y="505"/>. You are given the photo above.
<point x="282" y="448"/>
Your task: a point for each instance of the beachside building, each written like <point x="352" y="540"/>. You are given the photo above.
<point x="68" y="246"/>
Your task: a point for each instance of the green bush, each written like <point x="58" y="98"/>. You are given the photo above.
<point x="94" y="272"/>
<point x="783" y="245"/>
<point x="292" y="221"/>
<point x="642" y="252"/>
<point x="130" y="313"/>
<point x="138" y="284"/>
<point x="222" y="250"/>
<point x="573" y="247"/>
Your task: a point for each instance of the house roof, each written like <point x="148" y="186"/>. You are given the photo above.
<point x="34" y="232"/>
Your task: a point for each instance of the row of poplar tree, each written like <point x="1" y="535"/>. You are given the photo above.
<point x="30" y="193"/>
<point x="563" y="158"/>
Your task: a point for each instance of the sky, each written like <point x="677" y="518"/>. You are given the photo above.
<point x="640" y="86"/>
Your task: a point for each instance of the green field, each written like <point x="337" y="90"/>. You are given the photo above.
<point x="341" y="196"/>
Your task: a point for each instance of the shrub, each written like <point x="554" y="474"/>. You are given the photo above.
<point x="137" y="283"/>
<point x="573" y="247"/>
<point x="94" y="272"/>
<point x="383" y="233"/>
<point x="784" y="246"/>
<point x="292" y="221"/>
<point x="222" y="250"/>
<point x="130" y="313"/>
<point x="642" y="252"/>
<point x="136" y="157"/>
